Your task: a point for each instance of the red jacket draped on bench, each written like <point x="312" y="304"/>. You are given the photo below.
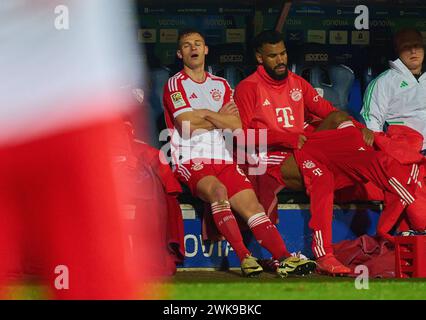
<point x="157" y="215"/>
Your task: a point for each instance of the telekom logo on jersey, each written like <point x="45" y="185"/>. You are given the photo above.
<point x="285" y="115"/>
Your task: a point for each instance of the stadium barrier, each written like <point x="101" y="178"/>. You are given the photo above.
<point x="349" y="222"/>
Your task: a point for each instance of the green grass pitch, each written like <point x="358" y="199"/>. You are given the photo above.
<point x="229" y="285"/>
<point x="219" y="285"/>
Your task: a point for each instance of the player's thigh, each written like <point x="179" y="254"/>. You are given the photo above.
<point x="234" y="178"/>
<point x="201" y="178"/>
<point x="210" y="189"/>
<point x="246" y="204"/>
<point x="240" y="191"/>
<point x="291" y="174"/>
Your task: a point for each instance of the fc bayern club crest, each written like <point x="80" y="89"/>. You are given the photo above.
<point x="197" y="166"/>
<point x="296" y="94"/>
<point x="216" y="94"/>
<point x="308" y="164"/>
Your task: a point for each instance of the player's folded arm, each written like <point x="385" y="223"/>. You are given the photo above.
<point x="224" y="121"/>
<point x="195" y="119"/>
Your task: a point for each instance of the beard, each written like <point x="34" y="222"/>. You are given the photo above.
<point x="271" y="72"/>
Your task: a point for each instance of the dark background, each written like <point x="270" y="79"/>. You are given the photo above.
<point x="323" y="30"/>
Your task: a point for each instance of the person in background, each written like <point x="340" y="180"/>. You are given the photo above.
<point x="398" y="95"/>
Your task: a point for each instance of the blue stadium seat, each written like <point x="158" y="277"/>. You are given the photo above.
<point x="159" y="77"/>
<point x="333" y="82"/>
<point x="368" y="76"/>
<point x="229" y="62"/>
<point x="355" y="100"/>
<point x="331" y="79"/>
<point x="232" y="73"/>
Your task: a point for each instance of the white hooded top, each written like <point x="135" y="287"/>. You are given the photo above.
<point x="396" y="97"/>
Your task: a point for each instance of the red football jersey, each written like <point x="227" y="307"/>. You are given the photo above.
<point x="282" y="105"/>
<point x="182" y="94"/>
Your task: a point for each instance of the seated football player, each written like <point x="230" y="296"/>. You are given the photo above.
<point x="276" y="101"/>
<point x="198" y="105"/>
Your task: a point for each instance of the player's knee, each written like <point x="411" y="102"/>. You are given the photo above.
<point x="290" y="170"/>
<point x="292" y="178"/>
<point x="252" y="207"/>
<point x="219" y="192"/>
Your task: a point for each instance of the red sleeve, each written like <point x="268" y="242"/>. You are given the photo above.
<point x="245" y="99"/>
<point x="174" y="98"/>
<point x="228" y="93"/>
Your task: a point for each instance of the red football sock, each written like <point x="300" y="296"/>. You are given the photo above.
<point x="267" y="235"/>
<point x="228" y="227"/>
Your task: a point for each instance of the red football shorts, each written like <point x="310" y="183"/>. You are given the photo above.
<point x="232" y="177"/>
<point x="274" y="161"/>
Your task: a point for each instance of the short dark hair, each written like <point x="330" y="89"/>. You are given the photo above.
<point x="402" y="34"/>
<point x="188" y="31"/>
<point x="267" y="36"/>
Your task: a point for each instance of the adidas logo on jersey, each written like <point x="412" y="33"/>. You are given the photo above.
<point x="361" y="149"/>
<point x="193" y="96"/>
<point x="266" y="103"/>
<point x="403" y="84"/>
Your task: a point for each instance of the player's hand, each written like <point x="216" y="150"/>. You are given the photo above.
<point x="230" y="108"/>
<point x="368" y="136"/>
<point x="301" y="142"/>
